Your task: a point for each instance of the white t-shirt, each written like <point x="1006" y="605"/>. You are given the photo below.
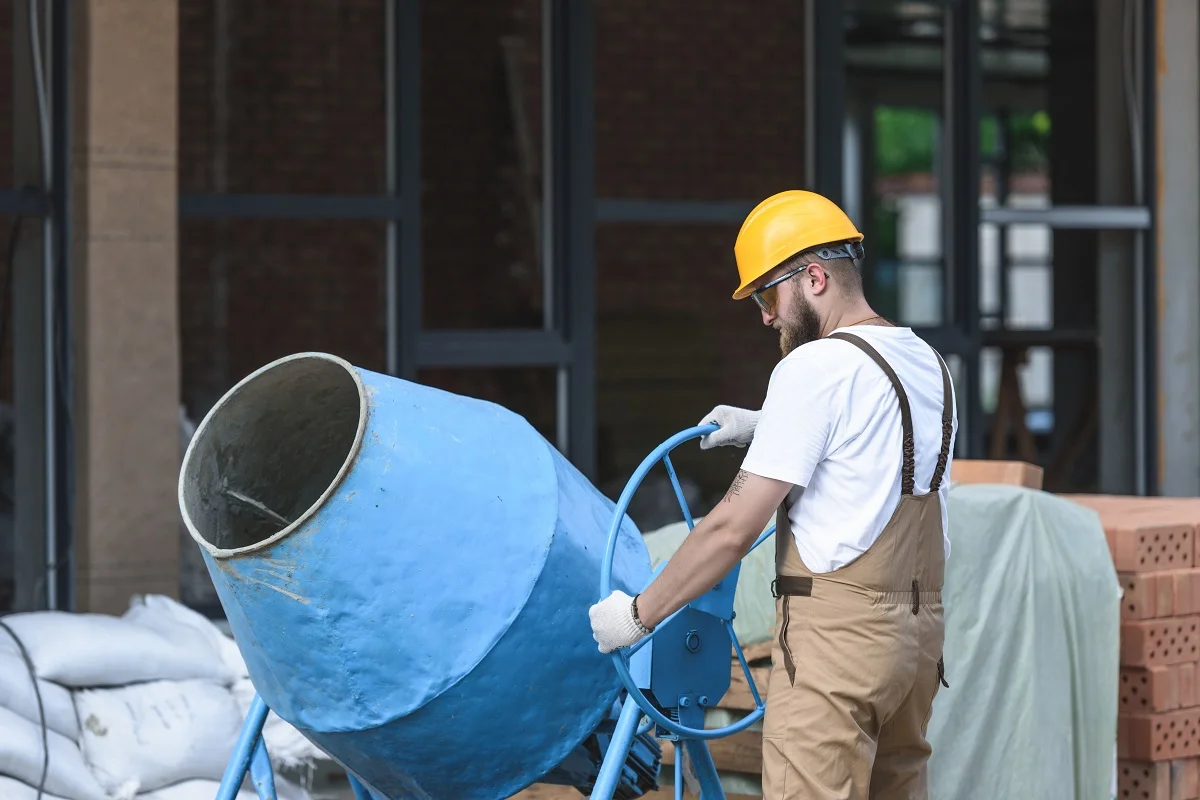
<point x="830" y="425"/>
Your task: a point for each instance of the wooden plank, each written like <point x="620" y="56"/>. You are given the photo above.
<point x="1015" y="473"/>
<point x="741" y="752"/>
<point x="668" y="791"/>
<point x="546" y="791"/>
<point x="757" y="653"/>
<point x="739" y="697"/>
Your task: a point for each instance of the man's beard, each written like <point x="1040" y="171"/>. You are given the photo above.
<point x="802" y="327"/>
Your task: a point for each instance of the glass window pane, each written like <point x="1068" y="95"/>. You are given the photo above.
<point x="919" y="294"/>
<point x="481" y="160"/>
<point x="1029" y="243"/>
<point x="8" y="497"/>
<point x="903" y="271"/>
<point x="529" y="391"/>
<point x="6" y="97"/>
<point x="282" y="96"/>
<point x="989" y="273"/>
<point x="252" y="291"/>
<point x="671" y="345"/>
<point x="685" y="109"/>
<point x="1031" y="297"/>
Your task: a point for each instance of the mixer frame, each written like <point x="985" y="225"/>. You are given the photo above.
<point x="675" y="663"/>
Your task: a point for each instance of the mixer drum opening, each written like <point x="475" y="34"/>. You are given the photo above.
<point x="271" y="451"/>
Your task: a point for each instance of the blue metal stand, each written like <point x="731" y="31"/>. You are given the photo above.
<point x="706" y="771"/>
<point x="360" y="791"/>
<point x="250" y="755"/>
<point x="618" y="749"/>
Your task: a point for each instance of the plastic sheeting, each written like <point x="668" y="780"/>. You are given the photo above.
<point x="1032" y="651"/>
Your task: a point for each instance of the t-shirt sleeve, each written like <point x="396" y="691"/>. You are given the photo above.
<point x="799" y="417"/>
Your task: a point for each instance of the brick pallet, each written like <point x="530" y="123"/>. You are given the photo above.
<point x="1155" y="548"/>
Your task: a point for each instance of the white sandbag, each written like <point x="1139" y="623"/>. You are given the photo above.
<point x="286" y="746"/>
<point x="187" y="628"/>
<point x="195" y="790"/>
<point x="207" y="790"/>
<point x="17" y="694"/>
<point x="13" y="789"/>
<point x="87" y="650"/>
<point x="21" y="757"/>
<point x="159" y="733"/>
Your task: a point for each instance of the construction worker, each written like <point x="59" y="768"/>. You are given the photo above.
<point x="851" y="453"/>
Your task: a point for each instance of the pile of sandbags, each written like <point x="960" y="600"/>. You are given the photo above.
<point x="147" y="705"/>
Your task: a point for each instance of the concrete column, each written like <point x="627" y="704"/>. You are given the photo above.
<point x="124" y="155"/>
<point x="1178" y="247"/>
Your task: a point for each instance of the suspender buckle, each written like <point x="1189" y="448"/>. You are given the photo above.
<point x="774" y="585"/>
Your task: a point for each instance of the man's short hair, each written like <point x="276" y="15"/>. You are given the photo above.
<point x="833" y="257"/>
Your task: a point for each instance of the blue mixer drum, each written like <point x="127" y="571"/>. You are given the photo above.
<point x="407" y="572"/>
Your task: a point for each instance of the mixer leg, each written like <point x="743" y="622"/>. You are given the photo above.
<point x="248" y="739"/>
<point x="360" y="791"/>
<point x="261" y="773"/>
<point x="706" y="770"/>
<point x="618" y="749"/>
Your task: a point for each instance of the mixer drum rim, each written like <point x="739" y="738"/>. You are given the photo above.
<point x="188" y="466"/>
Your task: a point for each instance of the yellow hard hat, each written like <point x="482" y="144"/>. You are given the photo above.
<point x="783" y="225"/>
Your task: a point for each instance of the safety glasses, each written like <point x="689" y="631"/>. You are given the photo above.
<point x="767" y="295"/>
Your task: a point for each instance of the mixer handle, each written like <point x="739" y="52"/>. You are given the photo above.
<point x="621" y="658"/>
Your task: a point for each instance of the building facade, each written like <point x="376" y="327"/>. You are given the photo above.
<point x="535" y="201"/>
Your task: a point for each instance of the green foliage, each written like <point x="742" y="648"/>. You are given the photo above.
<point x="905" y="138"/>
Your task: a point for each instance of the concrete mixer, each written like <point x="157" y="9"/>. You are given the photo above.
<point x="407" y="573"/>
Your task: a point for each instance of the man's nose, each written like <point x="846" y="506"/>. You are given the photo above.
<point x="767" y="317"/>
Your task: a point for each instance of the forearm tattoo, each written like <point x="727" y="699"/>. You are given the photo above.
<point x="735" y="488"/>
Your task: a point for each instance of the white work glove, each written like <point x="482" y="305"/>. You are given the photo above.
<point x="737" y="427"/>
<point x="613" y="624"/>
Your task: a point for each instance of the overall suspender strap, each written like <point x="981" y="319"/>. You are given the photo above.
<point x="947" y="426"/>
<point x="908" y="470"/>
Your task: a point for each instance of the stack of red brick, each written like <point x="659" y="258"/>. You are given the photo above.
<point x="1155" y="547"/>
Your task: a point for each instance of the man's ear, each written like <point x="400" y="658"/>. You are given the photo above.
<point x="820" y="278"/>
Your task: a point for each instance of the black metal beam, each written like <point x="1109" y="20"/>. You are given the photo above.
<point x="570" y="210"/>
<point x="290" y="206"/>
<point x="64" y="368"/>
<point x="492" y="348"/>
<point x="825" y="96"/>
<point x="24" y="203"/>
<point x="1147" y="441"/>
<point x="405" y="264"/>
<point x="960" y="201"/>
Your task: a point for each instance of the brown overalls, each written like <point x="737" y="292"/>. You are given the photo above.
<point x="858" y="658"/>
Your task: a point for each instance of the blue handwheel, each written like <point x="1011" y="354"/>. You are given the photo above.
<point x="621" y="657"/>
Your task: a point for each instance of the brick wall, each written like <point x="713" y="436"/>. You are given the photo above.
<point x="693" y="104"/>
